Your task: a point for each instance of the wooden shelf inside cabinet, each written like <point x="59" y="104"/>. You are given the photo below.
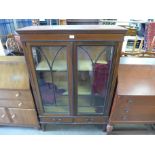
<point x="82" y="89"/>
<point x="64" y="109"/>
<point x="60" y="65"/>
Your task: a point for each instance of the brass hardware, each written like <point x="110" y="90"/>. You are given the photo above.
<point x="126" y="110"/>
<point x="13" y="116"/>
<point x="124" y="117"/>
<point x="89" y="119"/>
<point x="20" y="104"/>
<point x="71" y="36"/>
<point x="2" y="116"/>
<point x="53" y="119"/>
<point x="130" y="101"/>
<point x="18" y="94"/>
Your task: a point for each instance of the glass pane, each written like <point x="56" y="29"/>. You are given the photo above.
<point x="94" y="63"/>
<point x="52" y="76"/>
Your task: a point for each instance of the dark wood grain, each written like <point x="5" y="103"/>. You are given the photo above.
<point x="82" y="35"/>
<point x="136" y="79"/>
<point x="73" y="29"/>
<point x="134" y="100"/>
<point x="77" y="37"/>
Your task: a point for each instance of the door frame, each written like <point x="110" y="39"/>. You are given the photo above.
<point x="33" y="77"/>
<point x="72" y="72"/>
<point x="111" y="79"/>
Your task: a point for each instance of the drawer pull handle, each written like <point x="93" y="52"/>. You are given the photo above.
<point x="17" y="94"/>
<point x="124" y="117"/>
<point x="13" y="116"/>
<point x="126" y="110"/>
<point x="71" y="36"/>
<point x="20" y="104"/>
<point x="130" y="101"/>
<point x="89" y="119"/>
<point x="2" y="116"/>
<point x="59" y="119"/>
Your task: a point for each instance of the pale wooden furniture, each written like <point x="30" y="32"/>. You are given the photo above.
<point x="16" y="101"/>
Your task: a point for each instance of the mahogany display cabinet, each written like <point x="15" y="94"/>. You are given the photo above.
<point x="73" y="71"/>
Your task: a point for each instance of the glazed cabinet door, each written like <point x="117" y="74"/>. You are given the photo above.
<point x="92" y="73"/>
<point x="52" y="66"/>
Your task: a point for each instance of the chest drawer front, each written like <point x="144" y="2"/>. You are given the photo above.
<point x="23" y="116"/>
<point x="136" y="100"/>
<point x="134" y="114"/>
<point x="90" y="120"/>
<point x="4" y="116"/>
<point x="17" y="104"/>
<point x="8" y="94"/>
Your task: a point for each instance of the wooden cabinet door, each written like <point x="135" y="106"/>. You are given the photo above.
<point x="4" y="119"/>
<point x="92" y="73"/>
<point x="23" y="116"/>
<point x="51" y="70"/>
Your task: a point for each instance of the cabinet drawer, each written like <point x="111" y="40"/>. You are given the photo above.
<point x="134" y="114"/>
<point x="17" y="104"/>
<point x="136" y="100"/>
<point x="23" y="116"/>
<point x="4" y="116"/>
<point x="90" y="120"/>
<point x="9" y="94"/>
<point x="74" y="37"/>
<point x="56" y="119"/>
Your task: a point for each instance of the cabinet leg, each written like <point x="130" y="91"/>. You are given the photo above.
<point x="38" y="127"/>
<point x="43" y="127"/>
<point x="104" y="127"/>
<point x="153" y="126"/>
<point x="109" y="128"/>
<point x="149" y="127"/>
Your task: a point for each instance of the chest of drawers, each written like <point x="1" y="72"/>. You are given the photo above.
<point x="134" y="101"/>
<point x="16" y="100"/>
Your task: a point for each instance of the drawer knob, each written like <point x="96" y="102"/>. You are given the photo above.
<point x="124" y="117"/>
<point x="130" y="101"/>
<point x="13" y="116"/>
<point x="2" y="116"/>
<point x="71" y="36"/>
<point x="89" y="119"/>
<point x="17" y="94"/>
<point x="20" y="104"/>
<point x="126" y="110"/>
